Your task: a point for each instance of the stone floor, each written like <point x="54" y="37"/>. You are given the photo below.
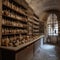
<point x="47" y="52"/>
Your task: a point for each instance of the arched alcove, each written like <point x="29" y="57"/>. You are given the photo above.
<point x="52" y="28"/>
<point x="52" y="25"/>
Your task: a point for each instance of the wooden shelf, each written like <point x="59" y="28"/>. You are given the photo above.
<point x="14" y="33"/>
<point x="9" y="34"/>
<point x="11" y="9"/>
<point x="17" y="22"/>
<point x="34" y="22"/>
<point x="23" y="45"/>
<point x="14" y="19"/>
<point x="11" y="26"/>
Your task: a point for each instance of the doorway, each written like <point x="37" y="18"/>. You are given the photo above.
<point x="52" y="28"/>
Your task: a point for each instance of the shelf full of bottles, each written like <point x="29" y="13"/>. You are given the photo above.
<point x="18" y="26"/>
<point x="14" y="23"/>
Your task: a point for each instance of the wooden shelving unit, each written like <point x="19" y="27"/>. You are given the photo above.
<point x="33" y="25"/>
<point x="14" y="23"/>
<point x="19" y="24"/>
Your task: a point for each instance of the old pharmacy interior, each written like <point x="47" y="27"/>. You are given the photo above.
<point x="29" y="29"/>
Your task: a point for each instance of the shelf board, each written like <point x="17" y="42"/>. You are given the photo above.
<point x="37" y="20"/>
<point x="33" y="22"/>
<point x="14" y="19"/>
<point x="13" y="34"/>
<point x="10" y="34"/>
<point x="36" y="16"/>
<point x="35" y="28"/>
<point x="35" y="32"/>
<point x="10" y="26"/>
<point x="23" y="45"/>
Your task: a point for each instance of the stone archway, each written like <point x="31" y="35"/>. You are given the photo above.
<point x="52" y="28"/>
<point x="58" y="19"/>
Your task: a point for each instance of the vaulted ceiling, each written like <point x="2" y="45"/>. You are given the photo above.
<point x="40" y="6"/>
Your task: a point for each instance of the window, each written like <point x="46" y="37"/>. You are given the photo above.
<point x="52" y="25"/>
